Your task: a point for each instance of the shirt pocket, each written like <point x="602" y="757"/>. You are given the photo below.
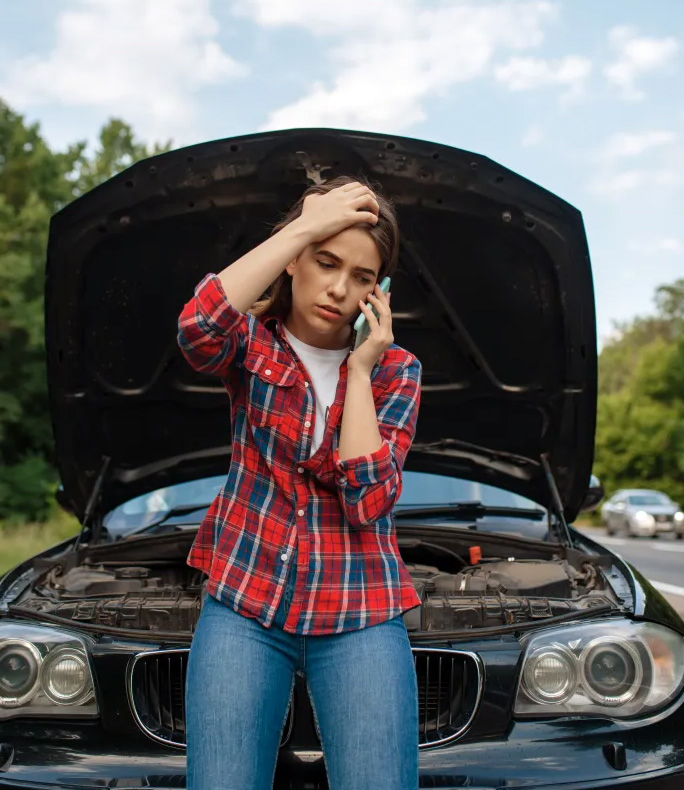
<point x="269" y="390"/>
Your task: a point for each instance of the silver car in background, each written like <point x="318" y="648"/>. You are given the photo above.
<point x="642" y="512"/>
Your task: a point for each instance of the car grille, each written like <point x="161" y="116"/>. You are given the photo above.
<point x="157" y="694"/>
<point x="449" y="691"/>
<point x="663" y="519"/>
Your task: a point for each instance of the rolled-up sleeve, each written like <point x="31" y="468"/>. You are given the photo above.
<point x="212" y="334"/>
<point x="370" y="485"/>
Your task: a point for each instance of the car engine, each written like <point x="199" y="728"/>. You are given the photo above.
<point x="164" y="596"/>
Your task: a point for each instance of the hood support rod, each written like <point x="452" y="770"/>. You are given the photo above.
<point x="92" y="499"/>
<point x="555" y="496"/>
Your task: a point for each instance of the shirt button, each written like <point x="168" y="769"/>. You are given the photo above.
<point x="300" y="512"/>
<point x="300" y="470"/>
<point x="283" y="557"/>
<point x="307" y="424"/>
<point x="267" y="372"/>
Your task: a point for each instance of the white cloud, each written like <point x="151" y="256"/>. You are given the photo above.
<point x="325" y="18"/>
<point x="618" y="184"/>
<point x="634" y="56"/>
<point x="386" y="65"/>
<point x="523" y="74"/>
<point x="139" y="59"/>
<point x="626" y="144"/>
<point x="648" y="164"/>
<point x="664" y="245"/>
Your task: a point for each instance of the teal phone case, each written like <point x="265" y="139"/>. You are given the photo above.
<point x="361" y="324"/>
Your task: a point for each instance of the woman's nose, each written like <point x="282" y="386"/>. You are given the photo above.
<point x="338" y="288"/>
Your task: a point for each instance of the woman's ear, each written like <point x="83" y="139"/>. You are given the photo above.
<point x="290" y="268"/>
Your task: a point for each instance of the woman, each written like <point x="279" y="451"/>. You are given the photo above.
<point x="304" y="573"/>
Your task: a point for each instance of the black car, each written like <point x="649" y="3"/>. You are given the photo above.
<point x="543" y="660"/>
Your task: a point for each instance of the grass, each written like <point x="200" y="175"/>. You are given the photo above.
<point x="21" y="541"/>
<point x="587" y="520"/>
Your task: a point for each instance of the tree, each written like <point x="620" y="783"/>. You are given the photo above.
<point x="35" y="182"/>
<point x="640" y="417"/>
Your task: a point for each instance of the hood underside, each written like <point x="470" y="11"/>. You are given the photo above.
<point x="493" y="294"/>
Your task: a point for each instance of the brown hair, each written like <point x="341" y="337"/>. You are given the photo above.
<point x="385" y="233"/>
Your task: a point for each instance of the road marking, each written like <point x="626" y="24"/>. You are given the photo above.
<point x="662" y="547"/>
<point x="670" y="589"/>
<point x="610" y="541"/>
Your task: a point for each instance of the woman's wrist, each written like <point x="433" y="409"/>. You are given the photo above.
<point x="301" y="231"/>
<point x="358" y="375"/>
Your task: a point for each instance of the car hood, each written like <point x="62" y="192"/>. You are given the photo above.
<point x="494" y="296"/>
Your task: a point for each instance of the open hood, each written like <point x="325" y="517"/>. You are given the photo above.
<point x="494" y="296"/>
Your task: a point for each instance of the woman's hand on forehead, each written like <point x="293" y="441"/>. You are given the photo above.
<point x="332" y="212"/>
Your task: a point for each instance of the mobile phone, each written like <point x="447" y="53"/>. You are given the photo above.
<point x="361" y="325"/>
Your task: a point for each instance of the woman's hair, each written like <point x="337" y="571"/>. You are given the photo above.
<point x="385" y="233"/>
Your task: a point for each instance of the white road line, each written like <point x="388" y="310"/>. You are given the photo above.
<point x="662" y="547"/>
<point x="610" y="541"/>
<point x="670" y="589"/>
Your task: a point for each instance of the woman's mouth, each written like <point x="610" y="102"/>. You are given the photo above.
<point x="331" y="313"/>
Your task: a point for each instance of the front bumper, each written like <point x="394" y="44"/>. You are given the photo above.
<point x="569" y="755"/>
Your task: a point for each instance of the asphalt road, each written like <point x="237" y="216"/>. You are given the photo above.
<point x="661" y="560"/>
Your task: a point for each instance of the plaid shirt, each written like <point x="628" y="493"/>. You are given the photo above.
<point x="337" y="514"/>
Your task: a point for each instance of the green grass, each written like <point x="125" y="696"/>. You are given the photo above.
<point x="587" y="520"/>
<point x="20" y="541"/>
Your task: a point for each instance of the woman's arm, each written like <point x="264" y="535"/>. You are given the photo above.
<point x="213" y="327"/>
<point x="245" y="280"/>
<point x="359" y="433"/>
<point x="375" y="438"/>
<point x="369" y="483"/>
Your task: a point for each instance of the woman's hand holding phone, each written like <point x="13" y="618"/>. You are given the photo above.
<point x="373" y="329"/>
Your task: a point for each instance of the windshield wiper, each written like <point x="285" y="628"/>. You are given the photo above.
<point x="179" y="510"/>
<point x="469" y="510"/>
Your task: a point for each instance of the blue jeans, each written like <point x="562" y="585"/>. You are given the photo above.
<point x="362" y="686"/>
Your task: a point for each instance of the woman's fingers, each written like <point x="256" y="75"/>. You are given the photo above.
<point x="366" y="201"/>
<point x="370" y="315"/>
<point x="380" y="300"/>
<point x="354" y="185"/>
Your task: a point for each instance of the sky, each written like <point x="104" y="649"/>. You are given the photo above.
<point x="585" y="97"/>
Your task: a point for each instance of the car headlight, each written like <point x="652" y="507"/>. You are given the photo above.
<point x="644" y="519"/>
<point x="44" y="672"/>
<point x="679" y="517"/>
<point x="616" y="670"/>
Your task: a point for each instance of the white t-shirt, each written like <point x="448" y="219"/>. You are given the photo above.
<point x="323" y="367"/>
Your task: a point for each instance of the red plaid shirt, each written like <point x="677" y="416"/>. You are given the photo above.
<point x="338" y="514"/>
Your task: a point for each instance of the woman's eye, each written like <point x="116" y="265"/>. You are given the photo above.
<point x="365" y="280"/>
<point x="326" y="265"/>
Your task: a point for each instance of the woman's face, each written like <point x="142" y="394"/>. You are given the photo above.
<point x="334" y="274"/>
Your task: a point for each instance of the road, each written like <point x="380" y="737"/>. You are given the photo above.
<point x="661" y="560"/>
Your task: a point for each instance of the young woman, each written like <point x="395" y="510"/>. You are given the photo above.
<point x="304" y="572"/>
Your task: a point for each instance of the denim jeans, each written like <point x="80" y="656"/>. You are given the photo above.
<point x="362" y="686"/>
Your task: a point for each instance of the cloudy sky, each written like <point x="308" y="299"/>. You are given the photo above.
<point x="584" y="96"/>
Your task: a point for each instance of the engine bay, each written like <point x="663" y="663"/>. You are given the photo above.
<point x="165" y="595"/>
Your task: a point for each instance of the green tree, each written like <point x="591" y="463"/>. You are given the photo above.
<point x="35" y="182"/>
<point x="640" y="417"/>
